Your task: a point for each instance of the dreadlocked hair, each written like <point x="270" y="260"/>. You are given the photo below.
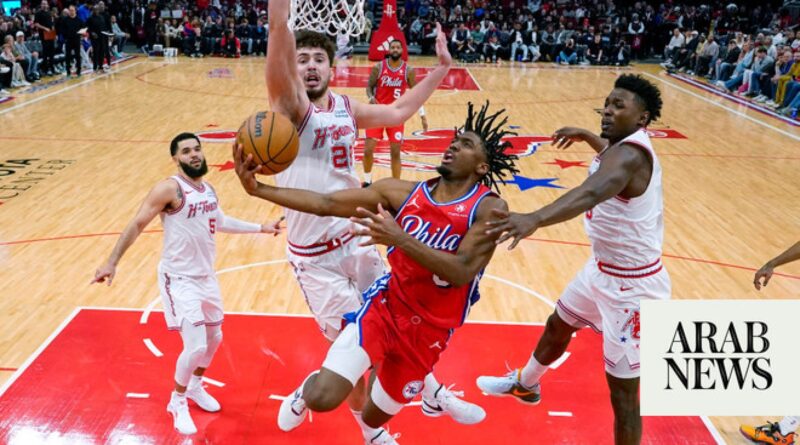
<point x="500" y="163"/>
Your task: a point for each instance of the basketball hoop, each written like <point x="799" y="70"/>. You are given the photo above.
<point x="329" y="16"/>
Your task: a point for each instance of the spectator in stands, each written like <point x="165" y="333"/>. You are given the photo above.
<point x="758" y="81"/>
<point x="31" y="57"/>
<point x="596" y="53"/>
<point x="458" y="38"/>
<point x="757" y="63"/>
<point x="17" y="71"/>
<point x="47" y="34"/>
<point x="120" y="38"/>
<point x="230" y="44"/>
<point x="260" y="37"/>
<point x="707" y="55"/>
<point x="725" y="65"/>
<point x="70" y="28"/>
<point x="568" y="55"/>
<point x="780" y="76"/>
<point x="96" y="25"/>
<point x="636" y="30"/>
<point x="491" y="48"/>
<point x="243" y="31"/>
<point x="677" y="42"/>
<point x="789" y="84"/>
<point x="685" y="54"/>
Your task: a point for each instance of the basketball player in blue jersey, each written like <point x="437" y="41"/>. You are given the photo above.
<point x="332" y="270"/>
<point x="191" y="216"/>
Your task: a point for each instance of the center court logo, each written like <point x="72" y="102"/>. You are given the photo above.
<point x="719" y="357"/>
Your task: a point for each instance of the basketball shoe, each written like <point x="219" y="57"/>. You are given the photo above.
<point x="769" y="434"/>
<point x="179" y="409"/>
<point x="382" y="438"/>
<point x="204" y="400"/>
<point x="509" y="385"/>
<point x="293" y="409"/>
<point x="446" y="402"/>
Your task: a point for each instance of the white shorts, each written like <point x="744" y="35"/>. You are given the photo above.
<point x="332" y="282"/>
<point x="196" y="300"/>
<point x="610" y="305"/>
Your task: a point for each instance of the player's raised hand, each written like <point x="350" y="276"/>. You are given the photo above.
<point x="566" y="136"/>
<point x="512" y="225"/>
<point x="104" y="273"/>
<point x="381" y="227"/>
<point x="273" y="227"/>
<point x="246" y="169"/>
<point x="441" y="46"/>
<point x="763" y="276"/>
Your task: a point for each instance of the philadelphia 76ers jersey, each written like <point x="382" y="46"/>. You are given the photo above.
<point x="324" y="164"/>
<point x="440" y="226"/>
<point x="629" y="232"/>
<point x="190" y="230"/>
<point x="392" y="82"/>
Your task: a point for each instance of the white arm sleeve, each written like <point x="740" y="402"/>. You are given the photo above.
<point x="229" y="224"/>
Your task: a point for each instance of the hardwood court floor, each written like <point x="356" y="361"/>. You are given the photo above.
<point x="78" y="157"/>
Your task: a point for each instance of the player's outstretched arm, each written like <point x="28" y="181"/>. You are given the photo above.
<point x="609" y="180"/>
<point x="157" y="200"/>
<point x="566" y="136"/>
<point x="229" y="224"/>
<point x="371" y="116"/>
<point x="390" y="193"/>
<point x="286" y="92"/>
<point x="764" y="274"/>
<point x="473" y="253"/>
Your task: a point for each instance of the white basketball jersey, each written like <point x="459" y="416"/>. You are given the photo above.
<point x="324" y="164"/>
<point x="629" y="232"/>
<point x="189" y="231"/>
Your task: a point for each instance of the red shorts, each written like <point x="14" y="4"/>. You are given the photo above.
<point x="401" y="345"/>
<point x="395" y="134"/>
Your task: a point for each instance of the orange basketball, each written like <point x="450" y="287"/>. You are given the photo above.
<point x="272" y="140"/>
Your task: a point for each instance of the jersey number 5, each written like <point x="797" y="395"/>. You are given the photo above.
<point x="340" y="157"/>
<point x="396" y="93"/>
<point x="212" y="225"/>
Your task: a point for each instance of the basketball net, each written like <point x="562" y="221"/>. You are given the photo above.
<point x="331" y="17"/>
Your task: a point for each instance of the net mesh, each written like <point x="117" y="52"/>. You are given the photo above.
<point x="329" y="16"/>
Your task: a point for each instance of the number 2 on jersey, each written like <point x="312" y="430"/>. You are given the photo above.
<point x="340" y="156"/>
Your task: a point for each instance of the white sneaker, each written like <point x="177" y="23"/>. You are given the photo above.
<point x="180" y="413"/>
<point x="509" y="385"/>
<point x="383" y="438"/>
<point x="448" y="402"/>
<point x="203" y="399"/>
<point x="293" y="409"/>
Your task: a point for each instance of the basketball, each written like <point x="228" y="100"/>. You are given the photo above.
<point x="272" y="140"/>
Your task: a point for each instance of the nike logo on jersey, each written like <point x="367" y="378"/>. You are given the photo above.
<point x="624" y="289"/>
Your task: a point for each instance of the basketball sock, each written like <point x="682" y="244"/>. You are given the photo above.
<point x="366" y="430"/>
<point x="788" y="424"/>
<point x="532" y="372"/>
<point x="195" y="381"/>
<point x="367" y="177"/>
<point x="430" y="388"/>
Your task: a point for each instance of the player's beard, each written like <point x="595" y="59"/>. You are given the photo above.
<point x="192" y="172"/>
<point x="395" y="57"/>
<point x="444" y="171"/>
<point x="316" y="93"/>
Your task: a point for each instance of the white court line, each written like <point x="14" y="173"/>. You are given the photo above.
<point x="473" y="79"/>
<point x="277" y="397"/>
<point x="560" y="360"/>
<point x="216" y="383"/>
<point x="717" y="104"/>
<point x="39" y="350"/>
<point x="559" y="413"/>
<point x="152" y="347"/>
<point x="137" y="395"/>
<point x="51" y="94"/>
<point x="539" y="296"/>
<point x="713" y="430"/>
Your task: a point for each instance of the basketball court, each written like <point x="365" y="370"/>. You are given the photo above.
<point x="87" y="363"/>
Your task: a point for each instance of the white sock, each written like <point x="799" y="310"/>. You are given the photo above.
<point x="532" y="372"/>
<point x="430" y="388"/>
<point x="788" y="424"/>
<point x="366" y="430"/>
<point x="195" y="381"/>
<point x="367" y="177"/>
<point x="176" y="394"/>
